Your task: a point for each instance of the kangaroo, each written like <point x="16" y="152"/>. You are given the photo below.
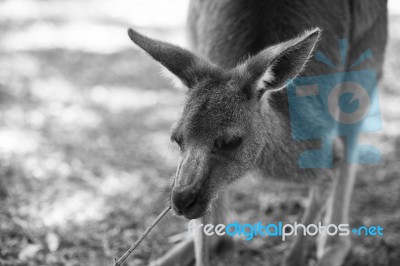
<point x="236" y="117"/>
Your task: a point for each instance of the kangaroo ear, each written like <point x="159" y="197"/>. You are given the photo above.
<point x="274" y="66"/>
<point x="189" y="68"/>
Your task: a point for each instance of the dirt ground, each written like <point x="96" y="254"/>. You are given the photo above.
<point x="85" y="155"/>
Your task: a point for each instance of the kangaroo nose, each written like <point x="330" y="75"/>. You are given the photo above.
<point x="183" y="197"/>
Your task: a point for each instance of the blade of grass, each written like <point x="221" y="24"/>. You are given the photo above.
<point x="142" y="236"/>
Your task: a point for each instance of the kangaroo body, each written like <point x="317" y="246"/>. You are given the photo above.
<point x="227" y="32"/>
<point x="236" y="117"/>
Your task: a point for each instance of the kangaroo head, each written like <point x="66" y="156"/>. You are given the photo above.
<point x="222" y="130"/>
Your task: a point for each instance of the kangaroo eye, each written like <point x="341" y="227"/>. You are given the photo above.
<point x="227" y="145"/>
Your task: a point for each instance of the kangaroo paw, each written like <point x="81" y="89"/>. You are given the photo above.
<point x="181" y="254"/>
<point x="335" y="253"/>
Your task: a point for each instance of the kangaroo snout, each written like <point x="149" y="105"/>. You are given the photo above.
<point x="183" y="197"/>
<point x="189" y="194"/>
<point x="190" y="201"/>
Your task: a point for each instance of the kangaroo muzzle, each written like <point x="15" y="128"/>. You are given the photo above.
<point x="189" y="181"/>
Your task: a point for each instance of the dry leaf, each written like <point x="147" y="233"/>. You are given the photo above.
<point x="52" y="241"/>
<point x="29" y="251"/>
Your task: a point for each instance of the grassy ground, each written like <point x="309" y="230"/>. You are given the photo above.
<point x="85" y="157"/>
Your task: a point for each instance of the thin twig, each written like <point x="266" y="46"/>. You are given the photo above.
<point x="142" y="236"/>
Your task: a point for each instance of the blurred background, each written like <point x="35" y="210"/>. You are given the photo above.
<point x="85" y="156"/>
